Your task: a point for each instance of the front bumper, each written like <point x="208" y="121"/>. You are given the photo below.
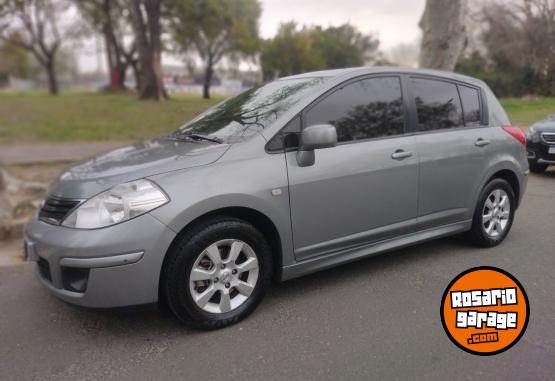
<point x="115" y="266"/>
<point x="539" y="152"/>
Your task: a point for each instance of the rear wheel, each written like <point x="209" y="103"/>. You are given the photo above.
<point x="537" y="167"/>
<point x="494" y="214"/>
<point x="218" y="273"/>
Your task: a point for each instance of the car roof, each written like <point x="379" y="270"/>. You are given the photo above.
<point x="358" y="71"/>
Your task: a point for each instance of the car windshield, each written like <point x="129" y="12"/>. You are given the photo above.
<point x="248" y="112"/>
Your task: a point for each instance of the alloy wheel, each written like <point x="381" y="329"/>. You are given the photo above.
<point x="496" y="213"/>
<point x="223" y="276"/>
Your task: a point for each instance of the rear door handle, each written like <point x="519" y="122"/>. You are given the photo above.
<point x="400" y="154"/>
<point x="481" y="142"/>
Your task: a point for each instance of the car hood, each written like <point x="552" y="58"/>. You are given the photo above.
<point x="132" y="162"/>
<point x="546" y="125"/>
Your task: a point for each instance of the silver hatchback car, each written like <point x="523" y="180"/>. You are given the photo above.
<point x="298" y="175"/>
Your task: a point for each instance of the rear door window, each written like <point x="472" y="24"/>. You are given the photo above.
<point x="438" y="105"/>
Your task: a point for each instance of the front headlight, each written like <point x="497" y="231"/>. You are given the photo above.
<point x="117" y="204"/>
<point x="533" y="135"/>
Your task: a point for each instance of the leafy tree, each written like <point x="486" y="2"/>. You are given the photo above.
<point x="38" y="23"/>
<point x="344" y="46"/>
<point x="291" y="51"/>
<point x="16" y="61"/>
<point x="214" y="29"/>
<point x="111" y="18"/>
<point x="296" y="50"/>
<point x="518" y="48"/>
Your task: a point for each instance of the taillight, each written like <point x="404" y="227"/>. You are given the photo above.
<point x="517" y="133"/>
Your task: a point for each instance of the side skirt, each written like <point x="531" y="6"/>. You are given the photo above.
<point x="326" y="261"/>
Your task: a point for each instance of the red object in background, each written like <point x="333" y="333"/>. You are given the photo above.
<point x="517" y="133"/>
<point x="116" y="80"/>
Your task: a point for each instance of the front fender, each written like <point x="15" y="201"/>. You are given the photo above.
<point x="260" y="185"/>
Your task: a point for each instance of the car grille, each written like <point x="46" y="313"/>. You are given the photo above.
<point x="44" y="269"/>
<point x="549" y="138"/>
<point x="55" y="210"/>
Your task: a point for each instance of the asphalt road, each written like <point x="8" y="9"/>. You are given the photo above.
<point x="374" y="319"/>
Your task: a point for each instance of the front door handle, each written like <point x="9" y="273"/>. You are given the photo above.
<point x="481" y="142"/>
<point x="400" y="154"/>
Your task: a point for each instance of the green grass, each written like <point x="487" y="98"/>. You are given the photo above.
<point x="524" y="112"/>
<point x="27" y="117"/>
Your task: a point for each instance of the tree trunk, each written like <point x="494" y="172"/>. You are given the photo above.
<point x="149" y="47"/>
<point x="208" y="73"/>
<point x="123" y="74"/>
<point x="116" y="68"/>
<point x="136" y="73"/>
<point x="443" y="34"/>
<point x="117" y="71"/>
<point x="52" y="78"/>
<point x="108" y="49"/>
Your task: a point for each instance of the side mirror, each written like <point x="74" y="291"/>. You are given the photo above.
<point x="315" y="137"/>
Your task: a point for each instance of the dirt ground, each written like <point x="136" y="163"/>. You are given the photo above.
<point x="41" y="172"/>
<point x="11" y="251"/>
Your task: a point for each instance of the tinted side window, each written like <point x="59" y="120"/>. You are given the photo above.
<point x="437" y="104"/>
<point x="288" y="137"/>
<point x="471" y="105"/>
<point x="365" y="109"/>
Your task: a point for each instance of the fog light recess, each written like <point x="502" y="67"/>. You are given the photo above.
<point x="75" y="279"/>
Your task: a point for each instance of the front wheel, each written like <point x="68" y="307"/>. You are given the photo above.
<point x="218" y="273"/>
<point x="494" y="214"/>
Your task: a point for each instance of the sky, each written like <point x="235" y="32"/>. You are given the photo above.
<point x="394" y="22"/>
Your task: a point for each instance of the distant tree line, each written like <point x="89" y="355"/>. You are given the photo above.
<point x="135" y="33"/>
<point x="511" y="45"/>
<point x="34" y="26"/>
<point x="515" y="48"/>
<point x="297" y="49"/>
<point x="508" y="44"/>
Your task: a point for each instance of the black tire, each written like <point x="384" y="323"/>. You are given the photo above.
<point x="477" y="234"/>
<point x="537" y="167"/>
<point x="182" y="256"/>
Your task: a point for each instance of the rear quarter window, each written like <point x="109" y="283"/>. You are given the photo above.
<point x="470" y="99"/>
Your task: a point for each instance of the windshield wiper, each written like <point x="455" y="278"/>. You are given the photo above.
<point x="184" y="136"/>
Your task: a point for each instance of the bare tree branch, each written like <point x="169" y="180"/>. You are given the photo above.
<point x="37" y="23"/>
